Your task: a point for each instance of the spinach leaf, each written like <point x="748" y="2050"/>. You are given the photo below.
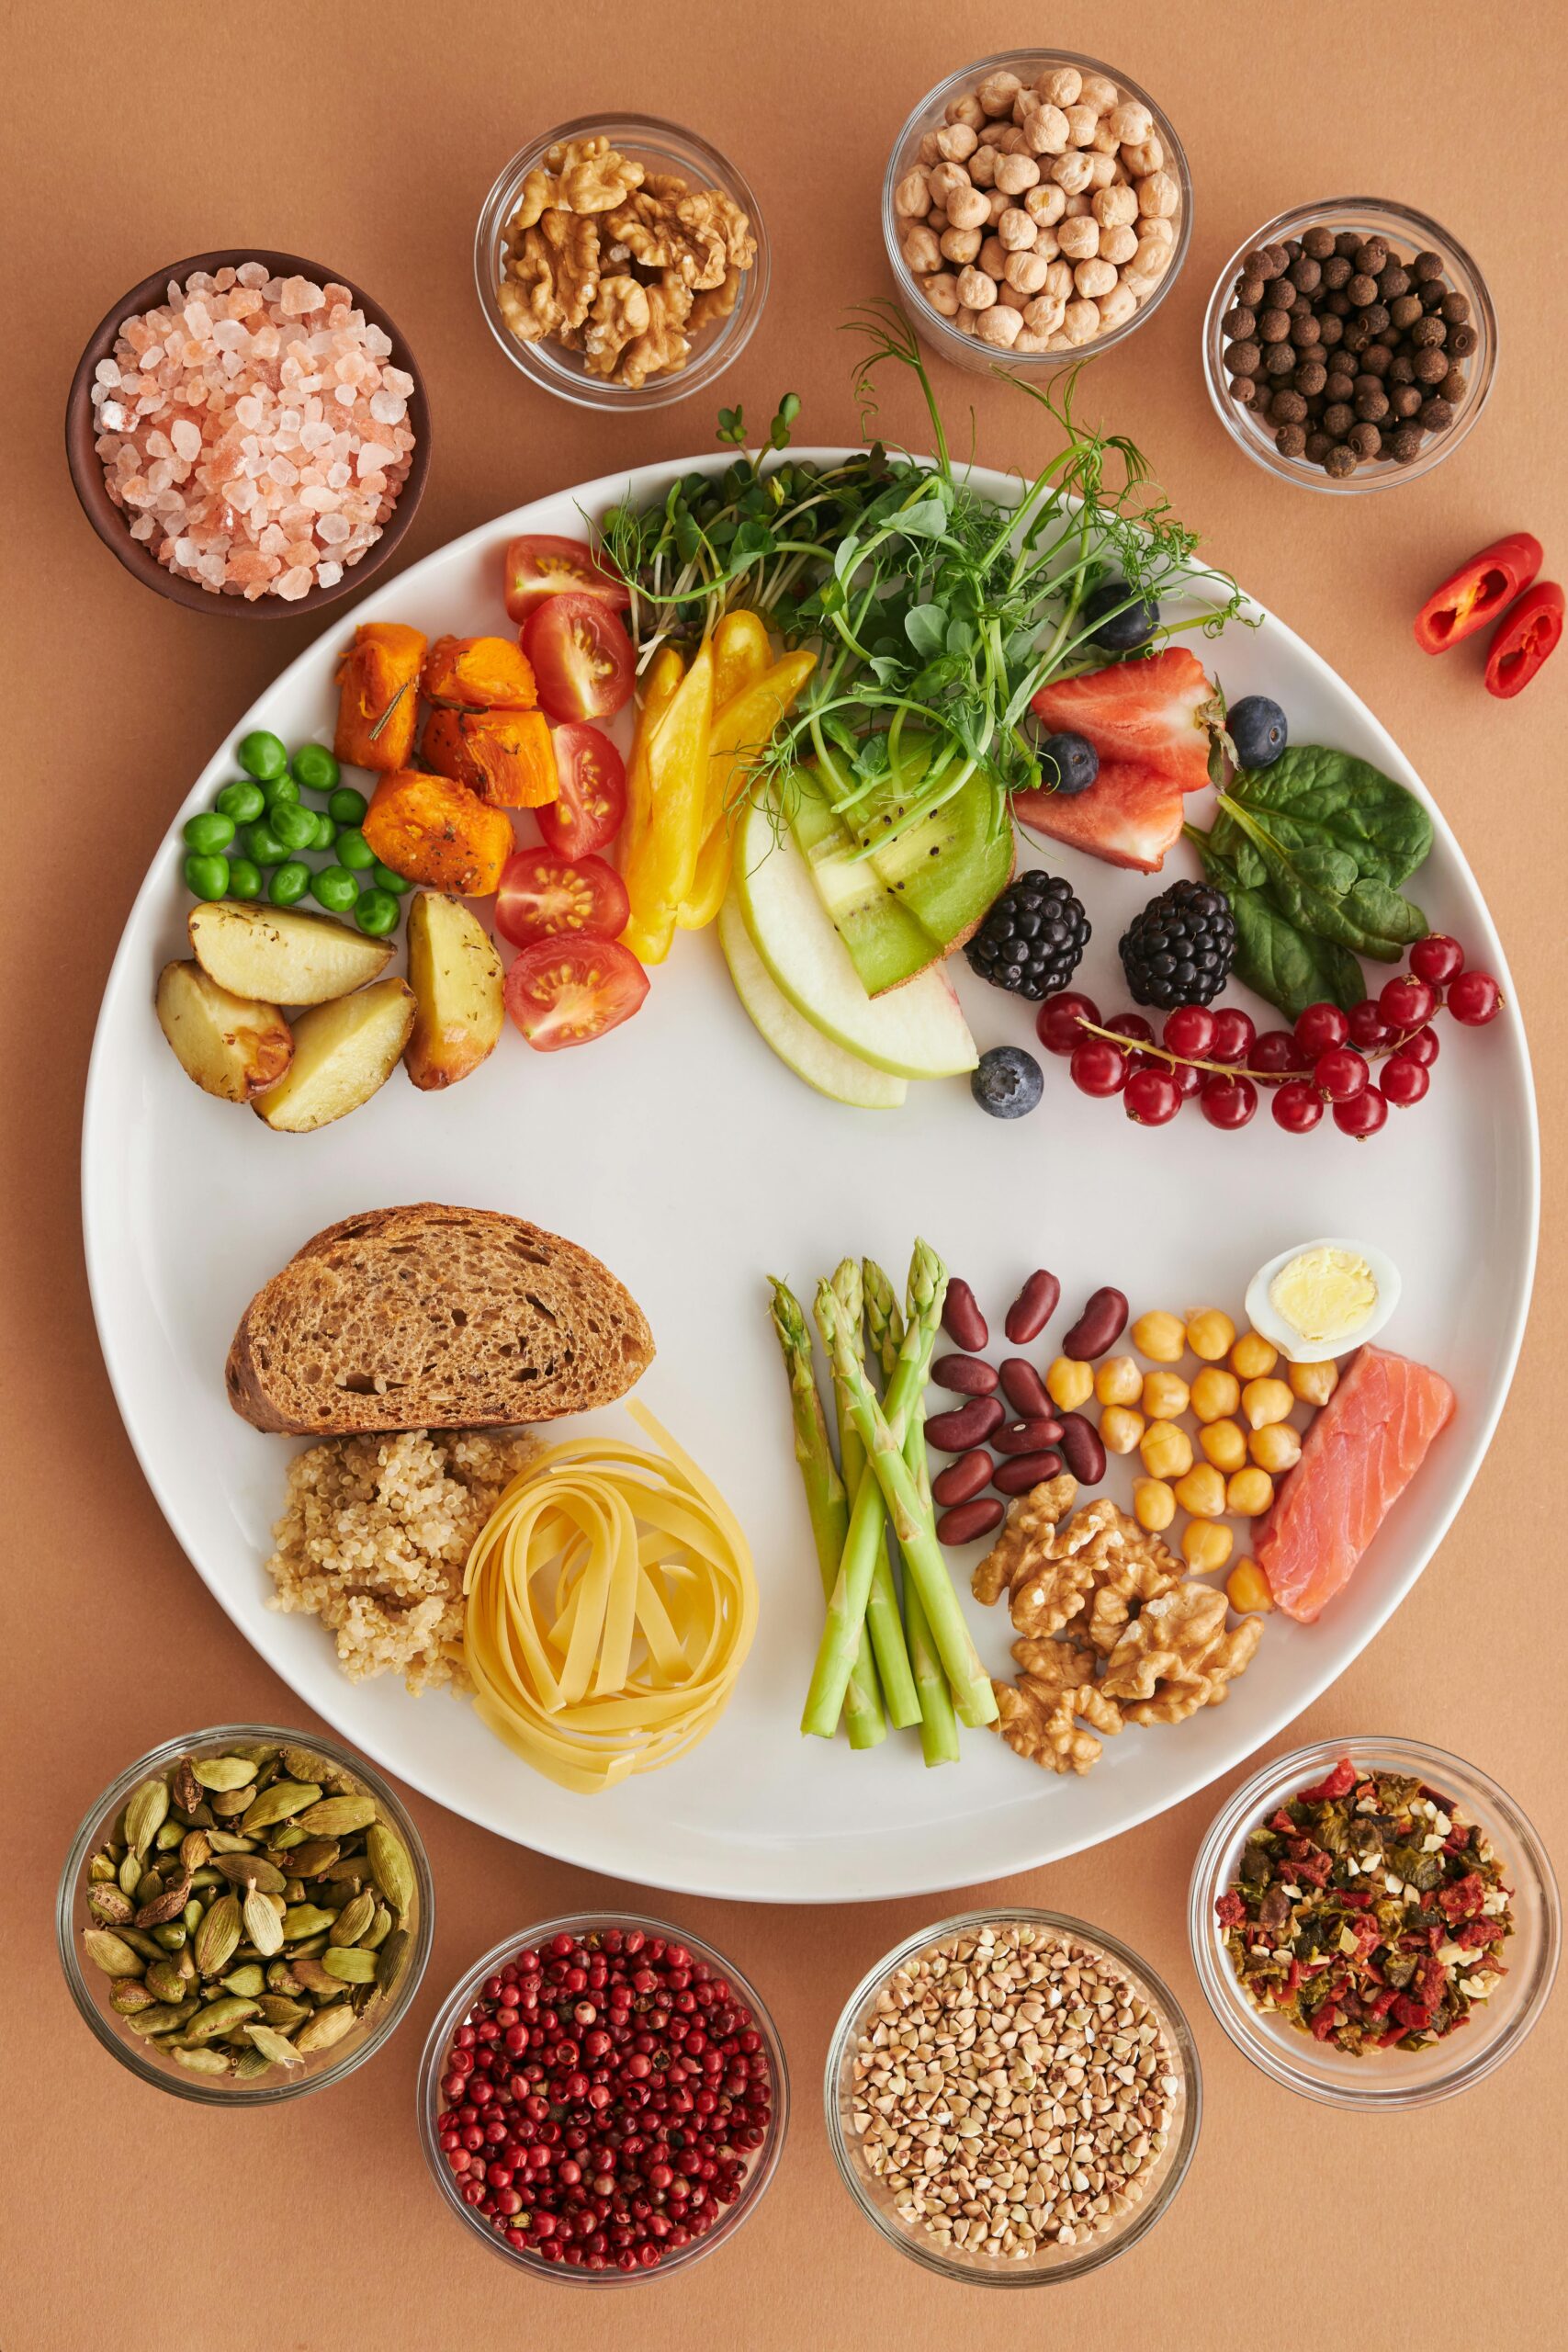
<point x="1314" y="797"/>
<point x="1317" y="887"/>
<point x="1287" y="966"/>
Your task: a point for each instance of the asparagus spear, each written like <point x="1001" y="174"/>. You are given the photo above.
<point x="882" y="1619"/>
<point x="939" y="1724"/>
<point x="882" y="1434"/>
<point x="827" y="1503"/>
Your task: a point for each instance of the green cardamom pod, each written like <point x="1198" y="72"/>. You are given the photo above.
<point x="301" y="1764"/>
<point x="131" y="1872"/>
<point x="310" y="1855"/>
<point x="202" y="2062"/>
<point x="263" y="1924"/>
<point x="128" y="1993"/>
<point x="167" y="1905"/>
<point x="284" y="1798"/>
<point x="173" y="1935"/>
<point x="168" y="1837"/>
<point x="230" y="1804"/>
<point x="390" y="1958"/>
<point x="224" y="1773"/>
<point x="302" y="1920"/>
<point x="250" y="1869"/>
<point x="184" y="1786"/>
<point x="381" y="1928"/>
<point x="195" y="1850"/>
<point x="101" y="1869"/>
<point x="283" y="1838"/>
<point x="280" y="1977"/>
<point x="140" y="1940"/>
<point x="338" y="1816"/>
<point x="109" y="1906"/>
<point x="284" y="2014"/>
<point x="217" y="2017"/>
<point x="247" y="1982"/>
<point x="352" y="1920"/>
<point x="351" y="1967"/>
<point x="252" y="2064"/>
<point x="350" y="1871"/>
<point x="165" y="1979"/>
<point x="164" y="2017"/>
<point x="274" y="2045"/>
<point x="217" y="1938"/>
<point x="393" y="1871"/>
<point x="228" y="1841"/>
<point x="327" y="2028"/>
<point x="313" y="1978"/>
<point x="145" y="1812"/>
<point x="111" y="1952"/>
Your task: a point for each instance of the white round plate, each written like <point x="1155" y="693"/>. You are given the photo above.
<point x="694" y="1164"/>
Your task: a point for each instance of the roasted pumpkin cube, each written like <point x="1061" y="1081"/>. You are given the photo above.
<point x="505" y="756"/>
<point x="480" y="673"/>
<point x="435" y="831"/>
<point x="377" y="708"/>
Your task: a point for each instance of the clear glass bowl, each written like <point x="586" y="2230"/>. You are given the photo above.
<point x="661" y="147"/>
<point x="431" y="2105"/>
<point x="966" y="350"/>
<point x="1405" y="233"/>
<point x="1055" y="2263"/>
<point x="90" y="1988"/>
<point x="1391" y="2079"/>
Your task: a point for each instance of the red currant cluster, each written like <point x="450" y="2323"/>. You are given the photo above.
<point x="1322" y="1063"/>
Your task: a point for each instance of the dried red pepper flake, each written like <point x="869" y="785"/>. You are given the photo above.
<point x="1338" y="1783"/>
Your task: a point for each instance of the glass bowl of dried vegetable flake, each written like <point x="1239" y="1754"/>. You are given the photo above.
<point x="1374" y="1922"/>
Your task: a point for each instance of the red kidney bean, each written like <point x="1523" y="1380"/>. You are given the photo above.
<point x="1025" y="1391"/>
<point x="1100" y="1327"/>
<point x="1082" y="1449"/>
<point x="962" y="1480"/>
<point x="969" y="1522"/>
<point x="1032" y="1308"/>
<point x="965" y="1375"/>
<point x="961" y="1319"/>
<point x="1027" y="1437"/>
<point x="1025" y="1470"/>
<point x="970" y="1425"/>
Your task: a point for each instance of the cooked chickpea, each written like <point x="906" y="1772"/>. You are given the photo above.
<point x="1120" y="1429"/>
<point x="1314" y="1384"/>
<point x="1165" y="1450"/>
<point x="1202" y="1491"/>
<point x="960" y="244"/>
<point x="1159" y="195"/>
<point x="1154" y="1504"/>
<point x="1275" y="1447"/>
<point x="1252" y="1356"/>
<point x="976" y="290"/>
<point x="1015" y="172"/>
<point x="1094" y="281"/>
<point x="1118" y="1381"/>
<point x="1067" y="1384"/>
<point x="1015" y="230"/>
<point x="1131" y="122"/>
<point x="982" y="167"/>
<point x="1060" y="86"/>
<point x="1249" y="1493"/>
<point x="1215" y="1394"/>
<point x="1143" y="156"/>
<point x="1079" y="239"/>
<point x="1114" y="207"/>
<point x="999" y="325"/>
<point x="1266" y="1400"/>
<point x="922" y="250"/>
<point x="967" y="110"/>
<point x="1160" y="1337"/>
<point x="969" y="208"/>
<point x="1071" y="172"/>
<point x="1046" y="204"/>
<point x="1045" y="128"/>
<point x="1118" y="305"/>
<point x="1118" y="245"/>
<point x="956" y="143"/>
<point x="1025" y="271"/>
<point x="1043" y="316"/>
<point x="1209" y="1334"/>
<point x="912" y="197"/>
<point x="1166" y="1396"/>
<point x="1225" y="1443"/>
<point x="1246" y="1589"/>
<point x="1205" y="1545"/>
<point x="942" y="293"/>
<point x="1081" y="124"/>
<point x="1099" y="92"/>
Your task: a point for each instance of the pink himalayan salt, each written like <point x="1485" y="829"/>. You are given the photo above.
<point x="254" y="431"/>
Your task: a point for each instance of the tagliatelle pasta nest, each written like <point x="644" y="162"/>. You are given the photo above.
<point x="610" y="1606"/>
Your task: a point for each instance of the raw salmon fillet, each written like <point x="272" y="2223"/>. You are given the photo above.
<point x="1357" y="1460"/>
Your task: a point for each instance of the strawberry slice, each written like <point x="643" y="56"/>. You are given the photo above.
<point x="1130" y="815"/>
<point x="1155" y="714"/>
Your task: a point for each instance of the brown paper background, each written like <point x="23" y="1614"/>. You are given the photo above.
<point x="366" y="136"/>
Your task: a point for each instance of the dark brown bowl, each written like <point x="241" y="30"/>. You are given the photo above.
<point x="109" y="520"/>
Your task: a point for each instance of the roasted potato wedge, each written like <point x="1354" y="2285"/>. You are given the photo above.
<point x="343" y="1052"/>
<point x="233" y="1048"/>
<point x="454" y="974"/>
<point x="274" y="955"/>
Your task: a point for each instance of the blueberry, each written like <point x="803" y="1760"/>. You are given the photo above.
<point x="1008" y="1082"/>
<point x="1123" y="629"/>
<point x="1259" y="731"/>
<point x="1070" y="762"/>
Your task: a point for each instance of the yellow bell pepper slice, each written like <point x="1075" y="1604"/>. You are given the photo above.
<point x="660" y="860"/>
<point x="665" y="674"/>
<point x="741" y="731"/>
<point x="740" y="654"/>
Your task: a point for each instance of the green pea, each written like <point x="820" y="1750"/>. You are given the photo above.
<point x="376" y="913"/>
<point x="209" y="833"/>
<point x="355" y="850"/>
<point x="281" y="792"/>
<point x="326" y="832"/>
<point x="243" y="802"/>
<point x="335" y="888"/>
<point x="263" y="844"/>
<point x="347" y="807"/>
<point x="295" y="827"/>
<point x="261" y="756"/>
<point x="207" y="878"/>
<point x="245" y="879"/>
<point x="290" y="883"/>
<point x="388" y="880"/>
<point x="315" y="767"/>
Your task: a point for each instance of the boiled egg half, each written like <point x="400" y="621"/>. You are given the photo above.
<point x="1322" y="1298"/>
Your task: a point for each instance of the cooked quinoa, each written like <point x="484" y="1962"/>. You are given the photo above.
<point x="374" y="1540"/>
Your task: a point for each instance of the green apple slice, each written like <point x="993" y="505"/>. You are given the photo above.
<point x="916" y="1031"/>
<point x="887" y="944"/>
<point x="816" y="1058"/>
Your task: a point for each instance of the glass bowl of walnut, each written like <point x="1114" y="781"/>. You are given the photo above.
<point x="621" y="262"/>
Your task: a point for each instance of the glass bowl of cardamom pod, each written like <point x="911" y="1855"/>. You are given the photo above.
<point x="245" y="1914"/>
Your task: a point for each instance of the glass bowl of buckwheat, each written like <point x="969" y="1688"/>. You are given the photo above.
<point x="1012" y="2097"/>
<point x="621" y="262"/>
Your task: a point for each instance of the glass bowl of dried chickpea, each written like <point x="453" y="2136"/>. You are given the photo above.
<point x="621" y="262"/>
<point x="1099" y="2066"/>
<point x="1037" y="208"/>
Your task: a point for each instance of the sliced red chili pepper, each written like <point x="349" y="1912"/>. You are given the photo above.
<point x="1281" y="1821"/>
<point x="1464" y="1898"/>
<point x="1323" y="2025"/>
<point x="1357" y="1897"/>
<point x="1293" y="1976"/>
<point x="1338" y="1783"/>
<point x="1411" y="2016"/>
<point x="1477" y="592"/>
<point x="1474" y="1934"/>
<point x="1526" y="634"/>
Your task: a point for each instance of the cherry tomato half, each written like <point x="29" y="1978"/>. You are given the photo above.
<point x="540" y="566"/>
<point x="582" y="657"/>
<point x="545" y="895"/>
<point x="593" y="778"/>
<point x="564" y="991"/>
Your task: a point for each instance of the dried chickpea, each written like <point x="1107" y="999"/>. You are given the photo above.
<point x="998" y="202"/>
<point x="1010" y="139"/>
<point x="1215" y="1394"/>
<point x="1266" y="1400"/>
<point x="1114" y="207"/>
<point x="1016" y="173"/>
<point x="1160" y="1337"/>
<point x="1059" y="281"/>
<point x="942" y="292"/>
<point x="1119" y="1429"/>
<point x="1095" y="278"/>
<point x="1045" y="128"/>
<point x="965" y="109"/>
<point x="1154" y="1504"/>
<point x="1118" y="305"/>
<point x="1206" y="1545"/>
<point x="922" y="250"/>
<point x="992" y="257"/>
<point x="969" y="207"/>
<point x="1081" y="123"/>
<point x="1209" y="1334"/>
<point x="1118" y="245"/>
<point x="1143" y="156"/>
<point x="1026" y="269"/>
<point x="1166" y="1396"/>
<point x="956" y="143"/>
<point x="996" y="93"/>
<point x="1118" y="1381"/>
<point x="1008" y="298"/>
<point x="1131" y="122"/>
<point x="982" y="167"/>
<point x="1060" y="86"/>
<point x="1314" y="1384"/>
<point x="960" y="244"/>
<point x="1275" y="1447"/>
<point x="928" y="151"/>
<point x="1015" y="230"/>
<point x="1099" y="92"/>
<point x="944" y="181"/>
<point x="1029" y="340"/>
<point x="1000" y="326"/>
<point x="1159" y="195"/>
<point x="1165" y="1450"/>
<point x="1246" y="1589"/>
<point x="1159" y="232"/>
<point x="1252" y="1356"/>
<point x="1079" y="239"/>
<point x="1077" y="205"/>
<point x="976" y="290"/>
<point x="1046" y="204"/>
<point x="912" y="197"/>
<point x="1101" y="164"/>
<point x="1249" y="1493"/>
<point x="1071" y="172"/>
<point x="1224" y="1445"/>
<point x="1068" y="1384"/>
<point x="1202" y="1491"/>
<point x="1043" y="316"/>
<point x="965" y="319"/>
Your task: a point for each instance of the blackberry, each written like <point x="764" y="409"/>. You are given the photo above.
<point x="1034" y="937"/>
<point x="1179" y="950"/>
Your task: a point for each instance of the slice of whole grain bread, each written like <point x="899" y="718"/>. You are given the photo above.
<point x="430" y="1319"/>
